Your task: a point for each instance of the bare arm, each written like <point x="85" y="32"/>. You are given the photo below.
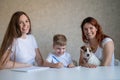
<point x="71" y="65"/>
<point x="11" y="64"/>
<point x="53" y="65"/>
<point x="108" y="51"/>
<point x="6" y="63"/>
<point x="38" y="57"/>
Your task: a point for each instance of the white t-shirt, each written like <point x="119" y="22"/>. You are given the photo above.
<point x="99" y="51"/>
<point x="24" y="50"/>
<point x="65" y="58"/>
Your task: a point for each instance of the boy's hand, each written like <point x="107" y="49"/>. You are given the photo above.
<point x="59" y="65"/>
<point x="71" y="66"/>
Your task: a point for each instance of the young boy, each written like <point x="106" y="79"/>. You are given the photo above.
<point x="59" y="58"/>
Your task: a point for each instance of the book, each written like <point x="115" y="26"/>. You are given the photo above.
<point x="30" y="69"/>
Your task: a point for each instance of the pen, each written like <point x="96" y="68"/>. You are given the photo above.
<point x="55" y="58"/>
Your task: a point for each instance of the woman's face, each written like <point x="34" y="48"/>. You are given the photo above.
<point x="24" y="24"/>
<point x="89" y="31"/>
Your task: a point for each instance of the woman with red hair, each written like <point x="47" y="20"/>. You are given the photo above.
<point x="102" y="45"/>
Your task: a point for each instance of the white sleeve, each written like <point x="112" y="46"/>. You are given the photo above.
<point x="34" y="42"/>
<point x="69" y="58"/>
<point x="105" y="41"/>
<point x="13" y="49"/>
<point x="49" y="58"/>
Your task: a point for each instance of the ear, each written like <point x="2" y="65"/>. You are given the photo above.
<point x="82" y="47"/>
<point x="81" y="50"/>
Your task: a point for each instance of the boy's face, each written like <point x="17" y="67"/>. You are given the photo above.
<point x="59" y="50"/>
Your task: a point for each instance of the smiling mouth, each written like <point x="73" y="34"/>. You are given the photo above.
<point x="89" y="34"/>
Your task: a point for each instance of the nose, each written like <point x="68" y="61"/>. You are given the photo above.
<point x="24" y="24"/>
<point x="61" y="50"/>
<point x="88" y="55"/>
<point x="88" y="30"/>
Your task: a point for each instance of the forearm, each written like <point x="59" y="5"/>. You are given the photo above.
<point x="71" y="65"/>
<point x="11" y="64"/>
<point x="53" y="65"/>
<point x="47" y="64"/>
<point x="39" y="58"/>
<point x="106" y="62"/>
<point x="40" y="62"/>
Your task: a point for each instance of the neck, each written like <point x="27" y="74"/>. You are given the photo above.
<point x="93" y="41"/>
<point x="23" y="36"/>
<point x="93" y="44"/>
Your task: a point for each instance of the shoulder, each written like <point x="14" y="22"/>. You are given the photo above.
<point x="30" y="35"/>
<point x="106" y="40"/>
<point x="67" y="54"/>
<point x="51" y="54"/>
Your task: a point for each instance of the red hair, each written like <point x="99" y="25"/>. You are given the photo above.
<point x="99" y="35"/>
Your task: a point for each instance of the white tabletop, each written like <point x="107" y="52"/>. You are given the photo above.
<point x="78" y="73"/>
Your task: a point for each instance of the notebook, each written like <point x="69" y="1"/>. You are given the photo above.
<point x="30" y="69"/>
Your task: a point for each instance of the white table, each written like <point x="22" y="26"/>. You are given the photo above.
<point x="78" y="73"/>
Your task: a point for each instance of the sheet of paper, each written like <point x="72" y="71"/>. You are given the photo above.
<point x="30" y="69"/>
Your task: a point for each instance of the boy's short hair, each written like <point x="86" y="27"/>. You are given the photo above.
<point x="59" y="39"/>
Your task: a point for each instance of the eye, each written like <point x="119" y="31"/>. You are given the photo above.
<point x="20" y="23"/>
<point x="27" y="21"/>
<point x="90" y="50"/>
<point x="85" y="29"/>
<point x="85" y="50"/>
<point x="91" y="28"/>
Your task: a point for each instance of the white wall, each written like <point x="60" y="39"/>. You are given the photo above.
<point x="49" y="17"/>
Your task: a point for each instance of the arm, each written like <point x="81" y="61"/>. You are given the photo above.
<point x="6" y="63"/>
<point x="38" y="57"/>
<point x="11" y="64"/>
<point x="53" y="65"/>
<point x="49" y="62"/>
<point x="108" y="51"/>
<point x="71" y="65"/>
